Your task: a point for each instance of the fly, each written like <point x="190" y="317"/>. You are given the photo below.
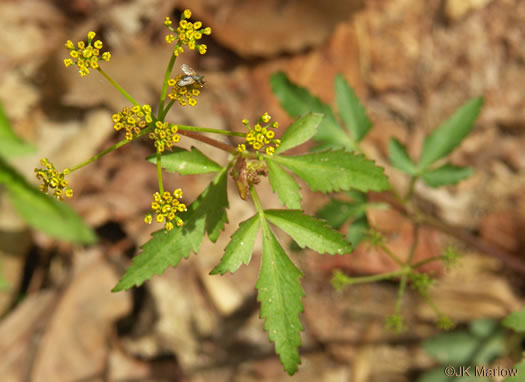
<point x="190" y="77"/>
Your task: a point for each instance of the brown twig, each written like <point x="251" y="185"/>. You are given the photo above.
<point x="208" y="140"/>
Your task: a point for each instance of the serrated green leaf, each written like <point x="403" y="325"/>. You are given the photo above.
<point x="285" y="186"/>
<point x="239" y="250"/>
<point x="280" y="293"/>
<point x="186" y="162"/>
<point x="309" y="232"/>
<point x="350" y="109"/>
<point x="399" y="157"/>
<point x="207" y="212"/>
<point x="515" y="321"/>
<point x="300" y="131"/>
<point x="357" y="230"/>
<point x="43" y="212"/>
<point x="446" y="175"/>
<point x="11" y="145"/>
<point x="332" y="171"/>
<point x="449" y="134"/>
<point x="298" y="101"/>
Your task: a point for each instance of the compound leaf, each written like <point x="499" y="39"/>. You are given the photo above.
<point x="43" y="212"/>
<point x="239" y="250"/>
<point x="297" y="101"/>
<point x="399" y="157"/>
<point x="446" y="175"/>
<point x="332" y="171"/>
<point x="280" y="293"/>
<point x="309" y="232"/>
<point x="300" y="131"/>
<point x="164" y="249"/>
<point x="350" y="109"/>
<point x="285" y="186"/>
<point x="11" y="145"/>
<point x="449" y="134"/>
<point x="187" y="162"/>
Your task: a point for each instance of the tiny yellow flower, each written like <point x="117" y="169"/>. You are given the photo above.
<point x="98" y="44"/>
<point x="260" y="136"/>
<point x="187" y="14"/>
<point x="85" y="56"/>
<point x="54" y="180"/>
<point x="165" y="207"/>
<point x="91" y="35"/>
<point x="203" y="48"/>
<point x="167" y="21"/>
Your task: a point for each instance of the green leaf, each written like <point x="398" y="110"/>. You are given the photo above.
<point x="43" y="212"/>
<point x="332" y="171"/>
<point x="515" y="321"/>
<point x="519" y="369"/>
<point x="357" y="231"/>
<point x="336" y="212"/>
<point x="285" y="186"/>
<point x="449" y="134"/>
<point x="399" y="157"/>
<point x="206" y="213"/>
<point x="446" y="175"/>
<point x="239" y="250"/>
<point x="298" y="101"/>
<point x="187" y="162"/>
<point x="11" y="145"/>
<point x="300" y="131"/>
<point x="309" y="232"/>
<point x="350" y="108"/>
<point x="482" y="343"/>
<point x="280" y="294"/>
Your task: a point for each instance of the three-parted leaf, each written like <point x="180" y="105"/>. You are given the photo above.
<point x="187" y="162"/>
<point x="399" y="157"/>
<point x="206" y="213"/>
<point x="239" y="250"/>
<point x="332" y="171"/>
<point x="350" y="109"/>
<point x="43" y="212"/>
<point x="449" y="134"/>
<point x="298" y="101"/>
<point x="280" y="293"/>
<point x="309" y="232"/>
<point x="285" y="186"/>
<point x="11" y="144"/>
<point x="446" y="175"/>
<point x="300" y="131"/>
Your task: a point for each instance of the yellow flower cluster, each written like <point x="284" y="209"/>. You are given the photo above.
<point x="133" y="120"/>
<point x="261" y="136"/>
<point x="166" y="206"/>
<point x="53" y="179"/>
<point x="85" y="57"/>
<point x="164" y="135"/>
<point x="187" y="33"/>
<point x="184" y="95"/>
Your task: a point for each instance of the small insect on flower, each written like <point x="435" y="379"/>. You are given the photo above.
<point x="190" y="77"/>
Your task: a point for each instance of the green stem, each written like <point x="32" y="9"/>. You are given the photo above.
<point x="159" y="172"/>
<point x="414" y="244"/>
<point x="411" y="187"/>
<point x="257" y="202"/>
<point x="117" y="86"/>
<point x="164" y="112"/>
<point x="391" y="254"/>
<point x="401" y="293"/>
<point x="165" y="85"/>
<point x="426" y="261"/>
<point x="210" y="130"/>
<point x="108" y="150"/>
<point x="372" y="278"/>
